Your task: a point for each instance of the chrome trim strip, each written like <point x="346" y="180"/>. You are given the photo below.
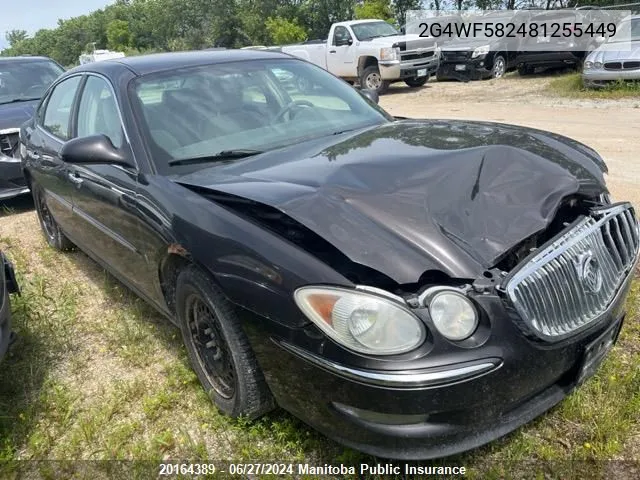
<point x="405" y="379"/>
<point x="105" y="230"/>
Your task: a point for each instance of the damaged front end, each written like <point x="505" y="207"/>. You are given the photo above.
<point x="482" y="283"/>
<point x="12" y="180"/>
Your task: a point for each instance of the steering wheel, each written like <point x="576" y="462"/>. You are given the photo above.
<point x="289" y="106"/>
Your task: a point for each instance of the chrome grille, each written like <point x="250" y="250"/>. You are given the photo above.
<point x="571" y="282"/>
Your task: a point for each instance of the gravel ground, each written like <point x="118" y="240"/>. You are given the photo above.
<point x="612" y="127"/>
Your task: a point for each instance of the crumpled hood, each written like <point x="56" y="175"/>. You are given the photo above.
<point x="13" y="115"/>
<point x="412" y="196"/>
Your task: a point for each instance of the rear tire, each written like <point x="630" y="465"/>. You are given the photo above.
<point x="417" y="81"/>
<point x="50" y="228"/>
<point x="218" y="348"/>
<point x="525" y="70"/>
<point x="372" y="80"/>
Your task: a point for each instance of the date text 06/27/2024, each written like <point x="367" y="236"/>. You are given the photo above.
<point x="197" y="469"/>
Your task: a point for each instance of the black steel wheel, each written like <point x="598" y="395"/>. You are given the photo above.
<point x="52" y="232"/>
<point x="218" y="348"/>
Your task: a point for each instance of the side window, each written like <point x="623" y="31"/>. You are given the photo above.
<point x="341" y="36"/>
<point x="57" y="114"/>
<point x="98" y="112"/>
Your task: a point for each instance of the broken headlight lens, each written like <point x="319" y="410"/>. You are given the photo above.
<point x="362" y="322"/>
<point x="453" y="314"/>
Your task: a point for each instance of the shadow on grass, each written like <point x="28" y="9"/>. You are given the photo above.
<point x="20" y="204"/>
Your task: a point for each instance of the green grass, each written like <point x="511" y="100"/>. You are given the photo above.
<point x="97" y="375"/>
<point x="571" y="86"/>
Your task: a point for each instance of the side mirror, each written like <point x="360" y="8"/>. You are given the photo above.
<point x="370" y="94"/>
<point x="93" y="150"/>
<point x="343" y="42"/>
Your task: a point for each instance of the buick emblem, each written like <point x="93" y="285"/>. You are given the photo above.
<point x="589" y="272"/>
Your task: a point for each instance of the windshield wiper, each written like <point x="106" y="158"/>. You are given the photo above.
<point x="20" y="99"/>
<point x="216" y="157"/>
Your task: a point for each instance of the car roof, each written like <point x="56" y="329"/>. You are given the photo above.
<point x="25" y="58"/>
<point x="158" y="62"/>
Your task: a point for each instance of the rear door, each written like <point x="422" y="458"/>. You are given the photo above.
<point x="44" y="140"/>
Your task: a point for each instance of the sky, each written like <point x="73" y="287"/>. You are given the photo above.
<point x="32" y="15"/>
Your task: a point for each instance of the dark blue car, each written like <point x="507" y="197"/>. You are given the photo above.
<point x="23" y="80"/>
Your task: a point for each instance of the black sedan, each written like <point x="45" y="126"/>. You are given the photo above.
<point x="23" y="80"/>
<point x="411" y="288"/>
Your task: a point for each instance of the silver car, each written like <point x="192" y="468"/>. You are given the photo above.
<point x="614" y="60"/>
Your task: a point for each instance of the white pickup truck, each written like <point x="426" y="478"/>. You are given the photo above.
<point x="372" y="53"/>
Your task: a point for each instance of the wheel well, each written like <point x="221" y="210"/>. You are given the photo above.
<point x="364" y="62"/>
<point x="27" y="177"/>
<point x="501" y="54"/>
<point x="170" y="268"/>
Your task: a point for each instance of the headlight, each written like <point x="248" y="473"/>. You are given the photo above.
<point x="588" y="64"/>
<point x="598" y="64"/>
<point x="483" y="50"/>
<point x="389" y="54"/>
<point x="360" y="321"/>
<point x="452" y="313"/>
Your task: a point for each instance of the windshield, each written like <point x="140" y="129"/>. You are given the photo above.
<point x="627" y="31"/>
<point x="26" y="80"/>
<point x="366" y="31"/>
<point x="254" y="105"/>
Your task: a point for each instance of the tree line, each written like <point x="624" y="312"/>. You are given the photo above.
<point x="145" y="26"/>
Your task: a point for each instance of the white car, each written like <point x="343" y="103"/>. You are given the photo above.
<point x="614" y="60"/>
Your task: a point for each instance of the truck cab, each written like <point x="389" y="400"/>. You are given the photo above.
<point x="372" y="53"/>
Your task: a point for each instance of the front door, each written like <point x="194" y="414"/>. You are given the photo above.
<point x="341" y="55"/>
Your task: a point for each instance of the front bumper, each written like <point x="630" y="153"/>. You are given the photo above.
<point x="602" y="78"/>
<point x="400" y="70"/>
<point x="12" y="181"/>
<point x="464" y="70"/>
<point x="398" y="411"/>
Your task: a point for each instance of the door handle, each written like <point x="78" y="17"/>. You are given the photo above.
<point x="332" y="51"/>
<point x="73" y="176"/>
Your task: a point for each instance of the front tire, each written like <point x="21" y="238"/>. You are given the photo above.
<point x="50" y="228"/>
<point x="218" y="348"/>
<point x="499" y="67"/>
<point x="372" y="80"/>
<point x="417" y="81"/>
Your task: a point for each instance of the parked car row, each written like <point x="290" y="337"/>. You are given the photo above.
<point x="410" y="288"/>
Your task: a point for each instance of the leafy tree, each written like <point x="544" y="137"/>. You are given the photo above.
<point x="374" y="9"/>
<point x="283" y="31"/>
<point x="118" y="35"/>
<point x="401" y="7"/>
<point x="15" y="36"/>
